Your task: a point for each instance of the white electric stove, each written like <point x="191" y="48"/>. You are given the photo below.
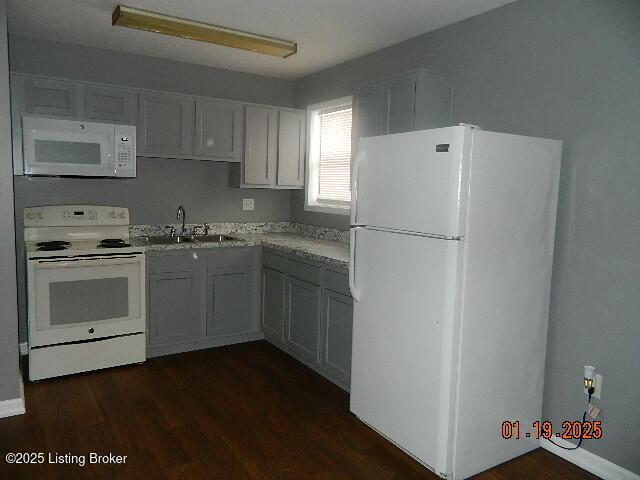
<point x="86" y="290"/>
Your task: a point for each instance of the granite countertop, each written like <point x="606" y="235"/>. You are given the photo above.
<point x="326" y="251"/>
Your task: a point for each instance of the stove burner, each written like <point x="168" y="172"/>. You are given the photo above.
<point x="113" y="243"/>
<point x="51" y="248"/>
<point x="60" y="243"/>
<point x="52" y="245"/>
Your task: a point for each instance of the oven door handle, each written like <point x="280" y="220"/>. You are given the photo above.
<point x="92" y="260"/>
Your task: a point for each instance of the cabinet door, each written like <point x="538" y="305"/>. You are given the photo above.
<point x="228" y="301"/>
<point x="50" y="97"/>
<point x="165" y="124"/>
<point x="219" y="129"/>
<point x="261" y="124"/>
<point x="273" y="296"/>
<point x="302" y="319"/>
<point x="174" y="307"/>
<point x="108" y="104"/>
<point x="367" y="113"/>
<point x="337" y="324"/>
<point x="291" y="144"/>
<point x="399" y="101"/>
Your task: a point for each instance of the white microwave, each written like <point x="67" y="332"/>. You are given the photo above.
<point x="83" y="149"/>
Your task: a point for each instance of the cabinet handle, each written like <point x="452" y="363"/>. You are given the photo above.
<point x="355" y="294"/>
<point x="195" y="255"/>
<point x="91" y="330"/>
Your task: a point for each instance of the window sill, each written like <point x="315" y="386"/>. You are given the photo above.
<point x="335" y="209"/>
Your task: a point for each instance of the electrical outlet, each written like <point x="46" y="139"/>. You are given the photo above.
<point x="247" y="204"/>
<point x="597" y="386"/>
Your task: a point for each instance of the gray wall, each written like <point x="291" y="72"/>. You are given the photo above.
<point x="44" y="57"/>
<point x="162" y="184"/>
<point x="9" y="373"/>
<point x="565" y="69"/>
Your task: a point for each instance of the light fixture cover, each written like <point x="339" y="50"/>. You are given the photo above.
<point x="203" y="32"/>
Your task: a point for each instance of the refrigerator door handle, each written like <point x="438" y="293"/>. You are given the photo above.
<point x="354" y="189"/>
<point x="355" y="294"/>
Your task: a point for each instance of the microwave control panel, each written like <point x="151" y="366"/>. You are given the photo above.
<point x="125" y="147"/>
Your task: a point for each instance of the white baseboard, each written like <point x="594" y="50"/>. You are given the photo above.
<point x="589" y="461"/>
<point x="24" y="348"/>
<point x="15" y="406"/>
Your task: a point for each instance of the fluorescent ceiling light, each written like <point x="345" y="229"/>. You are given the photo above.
<point x="202" y="32"/>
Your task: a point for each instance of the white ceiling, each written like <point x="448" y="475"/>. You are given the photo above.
<point x="328" y="32"/>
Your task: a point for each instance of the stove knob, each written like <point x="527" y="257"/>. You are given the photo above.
<point x="31" y="216"/>
<point x="122" y="215"/>
<point x="113" y="214"/>
<point x="40" y="216"/>
<point x="91" y="330"/>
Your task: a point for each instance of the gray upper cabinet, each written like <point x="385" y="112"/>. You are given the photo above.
<point x="399" y="103"/>
<point x="273" y="303"/>
<point x="260" y="148"/>
<point x="174" y="307"/>
<point x="165" y="124"/>
<point x="302" y="319"/>
<point x="109" y="104"/>
<point x="367" y="112"/>
<point x="415" y="100"/>
<point x="219" y="129"/>
<point x="291" y="149"/>
<point x="337" y="325"/>
<point x="50" y="97"/>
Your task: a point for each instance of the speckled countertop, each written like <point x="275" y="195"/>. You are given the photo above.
<point x="326" y="251"/>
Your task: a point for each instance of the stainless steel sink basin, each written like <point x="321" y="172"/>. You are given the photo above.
<point x="212" y="238"/>
<point x="167" y="240"/>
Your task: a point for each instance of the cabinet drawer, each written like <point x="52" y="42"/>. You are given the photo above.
<point x="273" y="260"/>
<point x="304" y="271"/>
<point x="337" y="281"/>
<point x="171" y="262"/>
<point x="231" y="257"/>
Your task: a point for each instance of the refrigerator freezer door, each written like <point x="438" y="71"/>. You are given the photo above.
<point x="412" y="181"/>
<point x="403" y="324"/>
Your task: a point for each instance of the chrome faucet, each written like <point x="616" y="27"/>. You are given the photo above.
<point x="181" y="216"/>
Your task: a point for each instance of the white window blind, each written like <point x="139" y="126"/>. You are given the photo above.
<point x="334" y="169"/>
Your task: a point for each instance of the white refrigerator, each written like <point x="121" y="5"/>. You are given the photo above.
<point x="452" y="234"/>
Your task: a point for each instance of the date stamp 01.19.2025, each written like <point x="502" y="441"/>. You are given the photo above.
<point x="571" y="430"/>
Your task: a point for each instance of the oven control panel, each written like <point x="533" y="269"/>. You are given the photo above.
<point x="75" y="215"/>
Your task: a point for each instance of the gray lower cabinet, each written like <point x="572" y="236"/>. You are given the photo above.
<point x="174" y="307"/>
<point x="307" y="312"/>
<point x="273" y="305"/>
<point x="109" y="104"/>
<point x="337" y="325"/>
<point x="165" y="124"/>
<point x="219" y="129"/>
<point x="302" y="319"/>
<point x="228" y="300"/>
<point x="201" y="298"/>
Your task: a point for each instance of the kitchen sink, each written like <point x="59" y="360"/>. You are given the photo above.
<point x="212" y="238"/>
<point x="168" y="240"/>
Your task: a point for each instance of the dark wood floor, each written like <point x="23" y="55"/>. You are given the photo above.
<point x="241" y="412"/>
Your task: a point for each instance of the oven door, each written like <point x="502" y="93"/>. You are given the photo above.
<point x="78" y="299"/>
<point x="63" y="147"/>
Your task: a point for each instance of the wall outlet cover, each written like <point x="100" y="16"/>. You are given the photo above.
<point x="247" y="204"/>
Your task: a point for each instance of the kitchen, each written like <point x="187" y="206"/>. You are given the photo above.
<point x="289" y="249"/>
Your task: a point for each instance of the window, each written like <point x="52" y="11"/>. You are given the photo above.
<point x="328" y="187"/>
